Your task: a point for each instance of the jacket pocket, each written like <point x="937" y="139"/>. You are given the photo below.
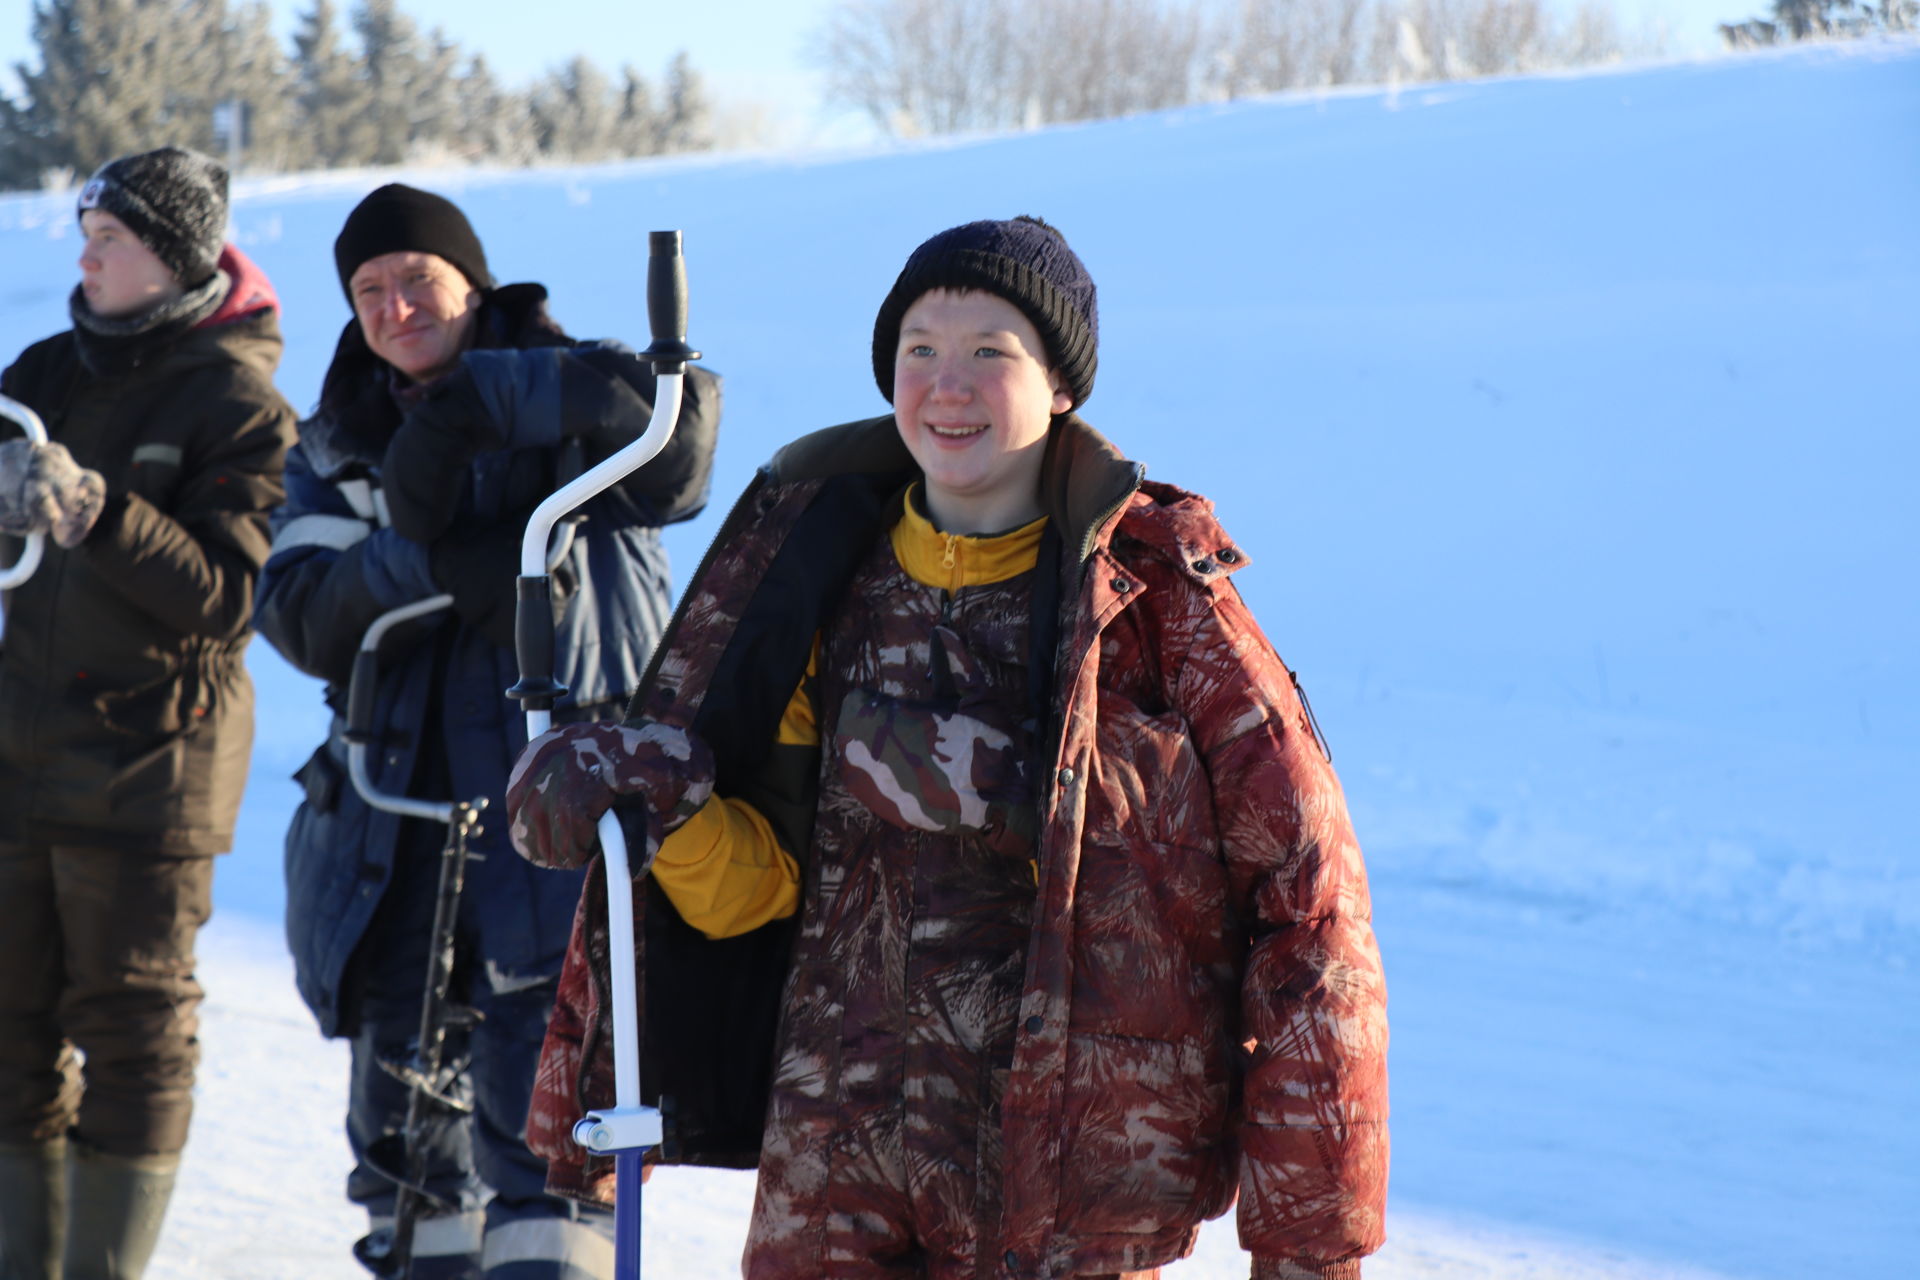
<point x="1145" y="1147"/>
<point x="1154" y="948"/>
<point x="150" y="785"/>
<point x="1148" y="780"/>
<point x="146" y="712"/>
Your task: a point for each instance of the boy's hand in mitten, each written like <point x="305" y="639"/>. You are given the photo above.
<point x="43" y="490"/>
<point x="568" y="777"/>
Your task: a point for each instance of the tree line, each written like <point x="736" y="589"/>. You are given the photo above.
<point x="934" y="66"/>
<point x="1792" y="21"/>
<point x="117" y="76"/>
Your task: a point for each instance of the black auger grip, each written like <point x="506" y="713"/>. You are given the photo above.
<point x="667" y="303"/>
<point x="533" y="645"/>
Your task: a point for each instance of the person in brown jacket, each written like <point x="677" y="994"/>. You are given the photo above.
<point x="1005" y="910"/>
<point x="126" y="715"/>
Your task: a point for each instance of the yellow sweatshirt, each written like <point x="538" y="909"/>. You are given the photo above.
<point x="724" y="870"/>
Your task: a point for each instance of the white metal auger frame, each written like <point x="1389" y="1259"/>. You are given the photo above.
<point x="36" y="543"/>
<point x="423" y="1074"/>
<point x="627" y="1129"/>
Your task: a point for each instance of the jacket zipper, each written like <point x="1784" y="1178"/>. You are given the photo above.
<point x="1126" y="496"/>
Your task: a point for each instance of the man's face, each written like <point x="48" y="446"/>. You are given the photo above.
<point x="973" y="398"/>
<point x="416" y="311"/>
<point x="119" y="275"/>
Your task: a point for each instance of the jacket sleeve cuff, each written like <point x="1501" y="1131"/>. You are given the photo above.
<point x="1300" y="1269"/>
<point x="107" y="526"/>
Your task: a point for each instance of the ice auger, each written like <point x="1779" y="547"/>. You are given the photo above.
<point x="626" y="1130"/>
<point x="429" y="1084"/>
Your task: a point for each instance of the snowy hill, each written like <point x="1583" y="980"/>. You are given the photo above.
<point x="1568" y="422"/>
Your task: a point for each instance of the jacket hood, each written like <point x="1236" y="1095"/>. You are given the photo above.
<point x="250" y="293"/>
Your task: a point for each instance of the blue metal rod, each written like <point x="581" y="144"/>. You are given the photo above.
<point x="626" y="1214"/>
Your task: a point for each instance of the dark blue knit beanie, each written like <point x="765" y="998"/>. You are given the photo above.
<point x="1022" y="260"/>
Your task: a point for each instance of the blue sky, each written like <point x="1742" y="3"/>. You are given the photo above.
<point x="750" y="50"/>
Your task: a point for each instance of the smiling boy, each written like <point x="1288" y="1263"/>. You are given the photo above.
<point x="1006" y="913"/>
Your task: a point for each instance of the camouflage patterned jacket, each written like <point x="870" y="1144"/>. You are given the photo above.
<point x="1202" y="1011"/>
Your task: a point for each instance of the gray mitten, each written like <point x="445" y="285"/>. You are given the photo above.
<point x="63" y="495"/>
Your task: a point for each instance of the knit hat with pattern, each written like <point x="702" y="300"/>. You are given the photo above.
<point x="1022" y="260"/>
<point x="397" y="218"/>
<point x="174" y="200"/>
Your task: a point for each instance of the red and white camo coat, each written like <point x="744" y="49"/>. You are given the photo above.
<point x="1202" y="1011"/>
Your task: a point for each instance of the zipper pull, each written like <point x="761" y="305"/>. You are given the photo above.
<point x="948" y="560"/>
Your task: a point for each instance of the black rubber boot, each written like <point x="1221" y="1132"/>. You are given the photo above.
<point x="33" y="1209"/>
<point x="115" y="1205"/>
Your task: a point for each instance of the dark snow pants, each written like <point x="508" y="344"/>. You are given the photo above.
<point x="96" y="955"/>
<point x="506" y="1227"/>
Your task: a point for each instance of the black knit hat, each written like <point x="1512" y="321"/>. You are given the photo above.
<point x="1022" y="260"/>
<point x="398" y="219"/>
<point x="174" y="200"/>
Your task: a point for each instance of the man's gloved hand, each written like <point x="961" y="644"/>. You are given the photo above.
<point x="605" y="391"/>
<point x="568" y="777"/>
<point x="43" y="490"/>
<point x="425" y="470"/>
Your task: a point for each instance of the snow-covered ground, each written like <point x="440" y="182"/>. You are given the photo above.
<point x="1570" y="423"/>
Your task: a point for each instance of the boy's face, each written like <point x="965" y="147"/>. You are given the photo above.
<point x="119" y="275"/>
<point x="415" y="309"/>
<point x="973" y="398"/>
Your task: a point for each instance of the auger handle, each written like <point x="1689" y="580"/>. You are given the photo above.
<point x="667" y="303"/>
<point x="538" y="688"/>
<point x="35" y="543"/>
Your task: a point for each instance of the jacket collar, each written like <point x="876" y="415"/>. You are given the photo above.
<point x="1084" y="480"/>
<point x="113" y="345"/>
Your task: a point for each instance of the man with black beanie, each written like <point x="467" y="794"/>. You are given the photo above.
<point x="453" y="405"/>
<point x="125" y="709"/>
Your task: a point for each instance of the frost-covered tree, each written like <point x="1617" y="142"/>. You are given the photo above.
<point x="331" y="98"/>
<point x="637" y="125"/>
<point x="1795" y="20"/>
<point x="935" y="66"/>
<point x="239" y="62"/>
<point x="391" y="57"/>
<point x="108" y="83"/>
<point x="126" y="75"/>
<point x="686" y="120"/>
<point x="585" y="112"/>
<point x="495" y="122"/>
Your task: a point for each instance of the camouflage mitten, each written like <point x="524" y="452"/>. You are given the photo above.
<point x="568" y="777"/>
<point x="51" y="493"/>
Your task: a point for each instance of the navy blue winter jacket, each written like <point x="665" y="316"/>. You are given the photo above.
<point x="444" y="725"/>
